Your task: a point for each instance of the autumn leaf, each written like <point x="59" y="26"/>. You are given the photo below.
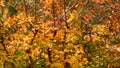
<point x="71" y="18"/>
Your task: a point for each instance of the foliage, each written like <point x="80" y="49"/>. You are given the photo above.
<point x="59" y="34"/>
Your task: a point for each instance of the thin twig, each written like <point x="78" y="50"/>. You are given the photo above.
<point x="53" y="11"/>
<point x="35" y="10"/>
<point x="25" y="8"/>
<point x="67" y="10"/>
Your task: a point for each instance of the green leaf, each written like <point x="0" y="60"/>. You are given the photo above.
<point x="6" y="0"/>
<point x="11" y="10"/>
<point x="17" y="0"/>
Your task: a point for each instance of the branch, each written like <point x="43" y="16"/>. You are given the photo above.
<point x="29" y="51"/>
<point x="2" y="42"/>
<point x="49" y="54"/>
<point x="2" y="38"/>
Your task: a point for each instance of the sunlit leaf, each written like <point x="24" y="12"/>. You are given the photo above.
<point x="72" y="16"/>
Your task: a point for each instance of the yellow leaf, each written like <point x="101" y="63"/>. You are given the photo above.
<point x="82" y="49"/>
<point x="107" y="46"/>
<point x="72" y="16"/>
<point x="96" y="38"/>
<point x="57" y="65"/>
<point x="87" y="38"/>
<point x="46" y="56"/>
<point x="1" y="64"/>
